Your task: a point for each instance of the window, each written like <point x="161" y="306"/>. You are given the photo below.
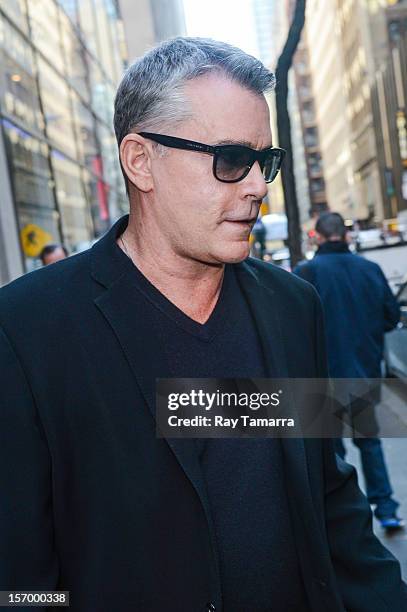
<point x="102" y="94"/>
<point x="44" y="18"/>
<point x="311" y="137"/>
<point x="57" y="109"/>
<point x="111" y="167"/>
<point x="75" y="217"/>
<point x="87" y="23"/>
<point x="85" y="132"/>
<point x="18" y="88"/>
<point x="75" y="59"/>
<point x="108" y="29"/>
<point x="118" y="204"/>
<point x="71" y="8"/>
<point x="317" y="185"/>
<point x="97" y="197"/>
<point x="15" y="9"/>
<point x="315" y="165"/>
<point x="308" y="112"/>
<point x="33" y="190"/>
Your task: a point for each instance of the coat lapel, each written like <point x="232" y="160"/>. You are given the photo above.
<point x="128" y="315"/>
<point x="263" y="303"/>
<point x="123" y="309"/>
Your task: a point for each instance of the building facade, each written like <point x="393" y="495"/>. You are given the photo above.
<point x="148" y="22"/>
<point x="389" y="96"/>
<point x="330" y="104"/>
<point x="360" y="47"/>
<point x="357" y="54"/>
<point x="60" y="63"/>
<point x="272" y="20"/>
<point x="308" y="129"/>
<point x="271" y="27"/>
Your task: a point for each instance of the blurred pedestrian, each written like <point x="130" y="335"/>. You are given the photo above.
<point x="359" y="308"/>
<point x="259" y="235"/>
<point x="52" y="253"/>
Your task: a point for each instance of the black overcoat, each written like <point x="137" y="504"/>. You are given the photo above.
<point x="94" y="503"/>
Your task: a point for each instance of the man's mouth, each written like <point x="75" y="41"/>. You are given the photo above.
<point x="242" y="220"/>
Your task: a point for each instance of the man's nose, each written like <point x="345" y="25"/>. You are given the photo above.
<point x="255" y="182"/>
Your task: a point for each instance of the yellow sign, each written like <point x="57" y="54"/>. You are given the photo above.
<point x="34" y="239"/>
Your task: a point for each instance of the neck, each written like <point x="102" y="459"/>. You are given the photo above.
<point x="191" y="285"/>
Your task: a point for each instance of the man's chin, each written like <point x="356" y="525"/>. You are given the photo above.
<point x="233" y="252"/>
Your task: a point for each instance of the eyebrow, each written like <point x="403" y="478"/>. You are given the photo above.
<point x="243" y="143"/>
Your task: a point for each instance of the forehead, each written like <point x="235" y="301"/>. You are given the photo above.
<point x="223" y="110"/>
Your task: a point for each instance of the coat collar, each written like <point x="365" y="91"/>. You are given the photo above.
<point x="108" y="262"/>
<point x="112" y="269"/>
<point x="333" y="246"/>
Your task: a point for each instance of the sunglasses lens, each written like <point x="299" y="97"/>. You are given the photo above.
<point x="232" y="163"/>
<point x="271" y="165"/>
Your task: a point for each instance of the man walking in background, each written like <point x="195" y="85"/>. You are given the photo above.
<point x="359" y="308"/>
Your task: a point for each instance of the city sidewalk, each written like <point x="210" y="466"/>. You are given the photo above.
<point x="395" y="450"/>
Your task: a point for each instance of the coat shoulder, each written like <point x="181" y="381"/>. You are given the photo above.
<point x="280" y="280"/>
<point x="41" y="291"/>
<point x="367" y="264"/>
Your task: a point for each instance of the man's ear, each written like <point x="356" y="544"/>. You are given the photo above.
<point x="320" y="238"/>
<point x="135" y="155"/>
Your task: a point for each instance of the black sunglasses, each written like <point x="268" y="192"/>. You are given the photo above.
<point x="231" y="162"/>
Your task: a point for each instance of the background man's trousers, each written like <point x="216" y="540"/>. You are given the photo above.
<point x="378" y="487"/>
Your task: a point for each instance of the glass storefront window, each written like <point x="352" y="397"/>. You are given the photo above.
<point x="118" y="205"/>
<point x="75" y="61"/>
<point x="103" y="20"/>
<point x="44" y="17"/>
<point x="71" y="8"/>
<point x="110" y="95"/>
<point x="101" y="92"/>
<point x="57" y="109"/>
<point x="29" y="155"/>
<point x="123" y="202"/>
<point x="75" y="218"/>
<point x="18" y="87"/>
<point x="111" y="166"/>
<point x="114" y="209"/>
<point x="16" y="10"/>
<point x="97" y="193"/>
<point x="33" y="191"/>
<point x="117" y="39"/>
<point x="85" y="133"/>
<point x="87" y="24"/>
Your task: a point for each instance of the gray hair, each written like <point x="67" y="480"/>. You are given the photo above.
<point x="150" y="95"/>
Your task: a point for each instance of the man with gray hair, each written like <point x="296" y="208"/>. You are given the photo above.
<point x="96" y="503"/>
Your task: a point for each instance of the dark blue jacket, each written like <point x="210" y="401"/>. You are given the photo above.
<point x="359" y="308"/>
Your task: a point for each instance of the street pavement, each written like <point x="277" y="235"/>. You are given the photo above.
<point x="395" y="450"/>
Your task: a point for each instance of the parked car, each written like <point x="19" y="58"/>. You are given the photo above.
<point x="395" y="344"/>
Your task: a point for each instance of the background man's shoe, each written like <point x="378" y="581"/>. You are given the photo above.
<point x="391" y="523"/>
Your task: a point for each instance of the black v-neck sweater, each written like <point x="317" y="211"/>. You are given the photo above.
<point x="244" y="477"/>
